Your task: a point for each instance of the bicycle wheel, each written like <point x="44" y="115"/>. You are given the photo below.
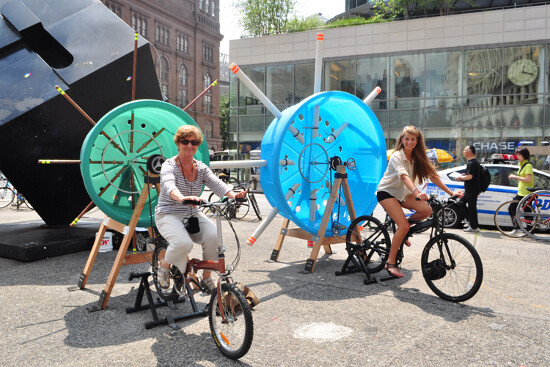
<point x="28" y="204"/>
<point x="170" y="293"/>
<point x="6" y="196"/>
<point x="233" y="332"/>
<point x="452" y="267"/>
<point x="368" y="244"/>
<point x="502" y="219"/>
<point x="534" y="210"/>
<point x="254" y="205"/>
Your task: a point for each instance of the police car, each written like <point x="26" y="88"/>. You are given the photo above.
<point x="500" y="190"/>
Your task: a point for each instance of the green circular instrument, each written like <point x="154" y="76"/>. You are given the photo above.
<point x="115" y="152"/>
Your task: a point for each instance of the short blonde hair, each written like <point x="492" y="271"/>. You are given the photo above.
<point x="187" y="131"/>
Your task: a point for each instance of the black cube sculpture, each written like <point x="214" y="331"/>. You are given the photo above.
<point x="87" y="50"/>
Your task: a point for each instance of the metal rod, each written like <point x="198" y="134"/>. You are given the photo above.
<point x="376" y="91"/>
<point x="86" y="210"/>
<point x="62" y="92"/>
<point x="272" y="214"/>
<point x="59" y="161"/>
<point x="254" y="89"/>
<point x="200" y="95"/>
<point x="318" y="63"/>
<point x="238" y="164"/>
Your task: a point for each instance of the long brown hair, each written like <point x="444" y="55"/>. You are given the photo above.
<point x="422" y="167"/>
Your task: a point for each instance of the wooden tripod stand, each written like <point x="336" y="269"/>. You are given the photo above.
<point x="122" y="258"/>
<point x="319" y="239"/>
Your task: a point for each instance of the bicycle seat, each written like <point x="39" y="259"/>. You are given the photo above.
<point x="533" y="189"/>
<point x="420" y="225"/>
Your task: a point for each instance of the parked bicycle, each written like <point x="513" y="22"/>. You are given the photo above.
<point x="450" y="264"/>
<point x="9" y="195"/>
<point x="503" y="221"/>
<point x="533" y="214"/>
<point x="229" y="312"/>
<point x="241" y="207"/>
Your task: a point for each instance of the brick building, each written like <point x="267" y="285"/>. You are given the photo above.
<point x="186" y="37"/>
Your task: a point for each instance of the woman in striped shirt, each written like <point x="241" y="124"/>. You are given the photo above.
<point x="182" y="178"/>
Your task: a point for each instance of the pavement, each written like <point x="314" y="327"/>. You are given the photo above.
<point x="315" y="319"/>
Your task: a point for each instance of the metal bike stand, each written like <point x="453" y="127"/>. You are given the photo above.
<point x="152" y="305"/>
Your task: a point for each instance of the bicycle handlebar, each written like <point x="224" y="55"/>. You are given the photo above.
<point x="203" y="203"/>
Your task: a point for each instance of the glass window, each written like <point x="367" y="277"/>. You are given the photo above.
<point x="340" y="75"/>
<point x="208" y="128"/>
<point x="304" y="76"/>
<point x="401" y="118"/>
<point x="278" y="84"/>
<point x="542" y="181"/>
<point x="522" y="75"/>
<point x="182" y="43"/>
<point x="182" y="98"/>
<point x="483" y="69"/>
<point x="443" y="116"/>
<point x="407" y="76"/>
<point x="207" y="104"/>
<point x="372" y="73"/>
<point x="246" y="98"/>
<point x="443" y="74"/>
<point x="163" y="69"/>
<point x="183" y="74"/>
<point x="207" y="80"/>
<point x="207" y="52"/>
<point x="139" y="23"/>
<point x="522" y="122"/>
<point x="251" y="123"/>
<point x="213" y="12"/>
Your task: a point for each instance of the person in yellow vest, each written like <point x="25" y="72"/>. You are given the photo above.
<point x="526" y="179"/>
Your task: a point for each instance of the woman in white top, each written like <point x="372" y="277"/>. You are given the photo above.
<point x="408" y="166"/>
<point x="182" y="178"/>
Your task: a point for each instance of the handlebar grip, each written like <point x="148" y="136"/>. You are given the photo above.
<point x="240" y="200"/>
<point x="191" y="202"/>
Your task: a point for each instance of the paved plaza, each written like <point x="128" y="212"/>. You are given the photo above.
<point x="315" y="319"/>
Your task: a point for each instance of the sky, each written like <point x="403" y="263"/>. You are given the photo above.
<point x="229" y="17"/>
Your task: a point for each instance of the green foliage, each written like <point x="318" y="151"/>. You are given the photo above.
<point x="349" y="22"/>
<point x="299" y="24"/>
<point x="264" y="17"/>
<point x="395" y="8"/>
<point x="224" y="121"/>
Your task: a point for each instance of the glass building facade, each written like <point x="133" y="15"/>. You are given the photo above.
<point x="489" y="97"/>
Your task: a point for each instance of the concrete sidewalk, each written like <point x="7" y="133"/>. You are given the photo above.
<point x="313" y="319"/>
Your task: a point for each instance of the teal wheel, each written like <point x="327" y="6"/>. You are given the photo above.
<point x="115" y="152"/>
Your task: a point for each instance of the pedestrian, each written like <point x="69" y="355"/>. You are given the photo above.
<point x="408" y="166"/>
<point x="471" y="177"/>
<point x="525" y="179"/>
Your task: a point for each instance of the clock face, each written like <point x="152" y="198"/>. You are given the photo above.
<point x="523" y="72"/>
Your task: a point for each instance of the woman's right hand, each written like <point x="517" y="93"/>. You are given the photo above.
<point x="422" y="196"/>
<point x="191" y="200"/>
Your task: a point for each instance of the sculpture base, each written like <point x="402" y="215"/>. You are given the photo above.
<point x="30" y="241"/>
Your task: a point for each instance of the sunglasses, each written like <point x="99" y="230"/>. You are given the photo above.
<point x="193" y="142"/>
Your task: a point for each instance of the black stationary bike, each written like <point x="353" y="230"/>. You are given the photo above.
<point x="450" y="264"/>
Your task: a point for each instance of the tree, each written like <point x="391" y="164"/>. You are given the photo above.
<point x="394" y="8"/>
<point x="264" y="17"/>
<point x="224" y="121"/>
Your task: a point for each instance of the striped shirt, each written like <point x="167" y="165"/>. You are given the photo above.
<point x="172" y="178"/>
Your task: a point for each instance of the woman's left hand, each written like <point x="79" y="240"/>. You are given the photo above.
<point x="423" y="196"/>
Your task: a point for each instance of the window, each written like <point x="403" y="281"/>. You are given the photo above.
<point x="213" y="12"/>
<point x="207" y="80"/>
<point x="183" y="73"/>
<point x="208" y="127"/>
<point x="163" y="69"/>
<point x="163" y="35"/>
<point x="139" y="23"/>
<point x="201" y="5"/>
<point x="115" y="8"/>
<point x="183" y="43"/>
<point x="182" y="98"/>
<point x="208" y="103"/>
<point x="207" y="53"/>
<point x="164" y="89"/>
<point x="407" y="76"/>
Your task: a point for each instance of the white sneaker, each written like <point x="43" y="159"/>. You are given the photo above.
<point x="517" y="233"/>
<point x="164" y="277"/>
